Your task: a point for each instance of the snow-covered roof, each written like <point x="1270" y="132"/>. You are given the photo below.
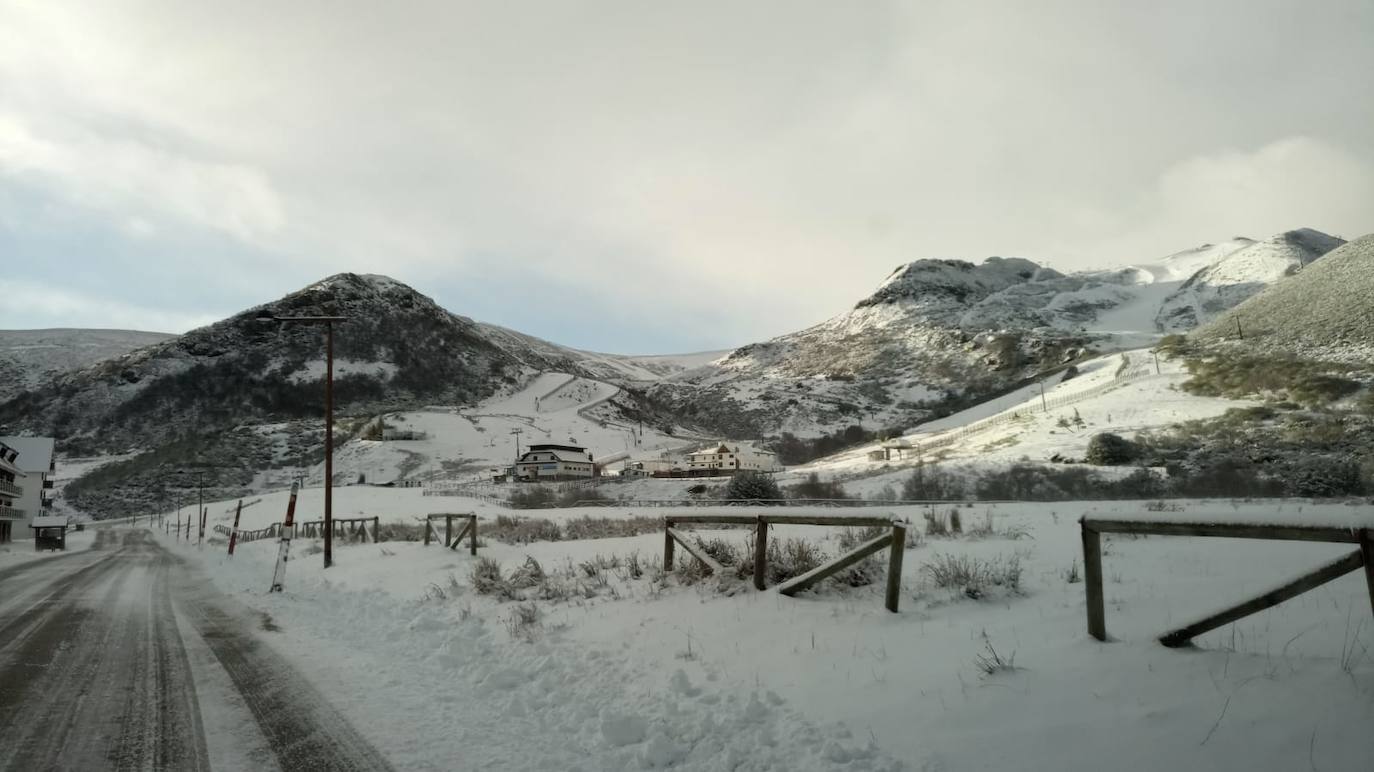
<point x="559" y="455"/>
<point x="35" y="453"/>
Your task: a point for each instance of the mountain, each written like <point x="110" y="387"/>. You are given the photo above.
<point x="30" y="357"/>
<point x="1324" y="311"/>
<point x="1237" y="276"/>
<point x="940" y="333"/>
<point x="397" y="348"/>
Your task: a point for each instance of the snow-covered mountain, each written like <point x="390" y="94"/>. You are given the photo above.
<point x="937" y="332"/>
<point x="1324" y="312"/>
<point x="397" y="349"/>
<point x="30" y="357"/>
<point x="1234" y="277"/>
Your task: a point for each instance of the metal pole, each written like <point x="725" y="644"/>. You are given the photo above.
<point x="328" y="444"/>
<point x="200" y="506"/>
<point x="1044" y="407"/>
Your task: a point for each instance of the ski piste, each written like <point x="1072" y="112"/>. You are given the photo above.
<point x="283" y="550"/>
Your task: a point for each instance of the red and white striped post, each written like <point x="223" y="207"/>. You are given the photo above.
<point x="234" y="534"/>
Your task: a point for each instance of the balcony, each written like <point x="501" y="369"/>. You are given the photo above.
<point x="10" y="488"/>
<point x="47" y="483"/>
<point x="10" y="513"/>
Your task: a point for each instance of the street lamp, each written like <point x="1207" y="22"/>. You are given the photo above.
<point x="328" y="322"/>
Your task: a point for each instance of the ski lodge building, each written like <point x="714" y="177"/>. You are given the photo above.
<point x="727" y="460"/>
<point x="555" y="463"/>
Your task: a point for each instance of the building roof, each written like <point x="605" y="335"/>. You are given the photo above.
<point x="547" y="446"/>
<point x="50" y="521"/>
<point x="559" y="454"/>
<point x="35" y="453"/>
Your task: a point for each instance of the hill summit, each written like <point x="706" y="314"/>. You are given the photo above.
<point x="1323" y="311"/>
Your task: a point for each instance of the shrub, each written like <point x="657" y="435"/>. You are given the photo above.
<point x="974" y="577"/>
<point x="750" y="485"/>
<point x="814" y="488"/>
<point x="931" y="483"/>
<point x="533" y="496"/>
<point x="1321" y="389"/>
<point x="523" y="623"/>
<point x="1325" y="478"/>
<point x="1107" y="449"/>
<point x="787" y="558"/>
<point x="486" y="579"/>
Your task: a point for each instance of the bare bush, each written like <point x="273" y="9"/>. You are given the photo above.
<point x="524" y="623"/>
<point x="990" y="662"/>
<point x="975" y="577"/>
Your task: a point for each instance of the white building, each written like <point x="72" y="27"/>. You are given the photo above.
<point x="726" y="459"/>
<point x="10" y="492"/>
<point x="37" y="463"/>
<point x="553" y="463"/>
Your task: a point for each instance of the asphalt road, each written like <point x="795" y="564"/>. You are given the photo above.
<point x="94" y="670"/>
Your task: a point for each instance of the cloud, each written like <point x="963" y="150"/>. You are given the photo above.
<point x="30" y="305"/>
<point x="762" y="165"/>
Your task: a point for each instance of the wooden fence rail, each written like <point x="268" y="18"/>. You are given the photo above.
<point x="895" y="541"/>
<point x="1092" y="530"/>
<point x="469" y="530"/>
<point x="355" y="527"/>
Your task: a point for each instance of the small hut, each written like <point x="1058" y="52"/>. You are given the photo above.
<point x="49" y="533"/>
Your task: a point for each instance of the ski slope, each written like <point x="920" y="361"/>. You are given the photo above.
<point x="1122" y="393"/>
<point x="464" y="443"/>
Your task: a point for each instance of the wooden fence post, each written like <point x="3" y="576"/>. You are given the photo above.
<point x="473" y="543"/>
<point x="667" y="545"/>
<point x="376" y="529"/>
<point x="426" y="530"/>
<point x="894" y="566"/>
<point x="1367" y="551"/>
<point x="1092" y="582"/>
<point x="448" y="530"/>
<point x="760" y="554"/>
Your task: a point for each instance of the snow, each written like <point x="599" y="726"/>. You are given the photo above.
<point x="465" y="443"/>
<point x="699" y="678"/>
<point x="314" y="370"/>
<point x="1120" y="393"/>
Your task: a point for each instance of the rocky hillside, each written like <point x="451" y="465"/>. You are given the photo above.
<point x="1237" y="276"/>
<point x="941" y="332"/>
<point x="1323" y="312"/>
<point x="397" y="348"/>
<point x="28" y="358"/>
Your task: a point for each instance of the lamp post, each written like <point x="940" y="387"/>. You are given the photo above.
<point x="328" y="322"/>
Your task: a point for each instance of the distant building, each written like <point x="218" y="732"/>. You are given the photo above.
<point x="647" y="468"/>
<point x="726" y="459"/>
<point x="10" y="491"/>
<point x="36" y="461"/>
<point x="553" y="463"/>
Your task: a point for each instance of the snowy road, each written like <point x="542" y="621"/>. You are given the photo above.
<point x="95" y="672"/>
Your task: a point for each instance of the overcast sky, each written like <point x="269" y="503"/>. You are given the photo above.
<point x="650" y="177"/>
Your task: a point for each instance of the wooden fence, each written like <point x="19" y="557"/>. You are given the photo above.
<point x="344" y="527"/>
<point x="1092" y="566"/>
<point x="895" y="542"/>
<point x="469" y="530"/>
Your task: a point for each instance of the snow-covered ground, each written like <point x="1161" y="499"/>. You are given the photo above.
<point x="463" y="443"/>
<point x="647" y="675"/>
<point x="1119" y="393"/>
